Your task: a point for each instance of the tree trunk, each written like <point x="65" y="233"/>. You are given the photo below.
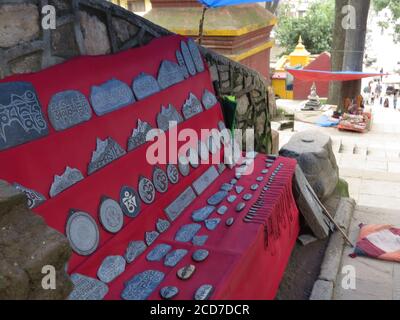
<point x="337" y="55"/>
<point x="272" y="6"/>
<point x="355" y="47"/>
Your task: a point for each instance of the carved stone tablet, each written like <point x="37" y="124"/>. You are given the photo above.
<point x="106" y="152"/>
<point x="150" y="237"/>
<point x="205" y="180"/>
<point x="240" y="206"/>
<point x="209" y="100"/>
<point x="221" y="125"/>
<point x="145" y="85"/>
<point x="110" y="268"/>
<point x="202" y="213"/>
<point x="162" y="225"/>
<point x="195" y="53"/>
<point x="230" y="221"/>
<point x="217" y="198"/>
<point x="67" y="109"/>
<point x="169" y="292"/>
<point x="203" y="151"/>
<point x="21" y="118"/>
<point x="169" y="74"/>
<point x="193" y="157"/>
<point x="33" y="198"/>
<point x="211" y="224"/>
<point x="212" y="144"/>
<point x="221" y="168"/>
<point x="167" y="117"/>
<point x="129" y="201"/>
<point x="233" y="181"/>
<point x="174" y="257"/>
<point x="160" y="180"/>
<point x="231" y="198"/>
<point x="183" y="165"/>
<point x="134" y="250"/>
<point x="226" y="187"/>
<point x="187" y="232"/>
<point x="175" y="209"/>
<point x="200" y="255"/>
<point x="139" y="135"/>
<point x="188" y="58"/>
<point x="86" y="288"/>
<point x="111" y="215"/>
<point x="199" y="240"/>
<point x="172" y="173"/>
<point x="247" y="197"/>
<point x="147" y="190"/>
<point x="239" y="189"/>
<point x="204" y="292"/>
<point x="182" y="64"/>
<point x="260" y="178"/>
<point x="158" y="252"/>
<point x="82" y="233"/>
<point x="111" y="96"/>
<point x="191" y="107"/>
<point x="222" y="210"/>
<point x="186" y="272"/>
<point x="66" y="180"/>
<point x="254" y="187"/>
<point x="141" y="286"/>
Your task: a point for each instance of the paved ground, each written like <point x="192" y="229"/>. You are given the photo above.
<point x="370" y="163"/>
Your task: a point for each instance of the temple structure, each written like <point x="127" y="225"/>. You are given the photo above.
<point x="286" y="87"/>
<point x="241" y="33"/>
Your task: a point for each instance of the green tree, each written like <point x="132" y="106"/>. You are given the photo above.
<point x="394" y="7"/>
<point x="316" y="27"/>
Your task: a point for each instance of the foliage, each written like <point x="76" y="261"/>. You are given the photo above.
<point x="394" y="7"/>
<point x="315" y="27"/>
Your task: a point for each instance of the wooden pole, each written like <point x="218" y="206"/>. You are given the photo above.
<point x="201" y="26"/>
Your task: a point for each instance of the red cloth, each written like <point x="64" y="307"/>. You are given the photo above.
<point x="238" y="262"/>
<point x="318" y="75"/>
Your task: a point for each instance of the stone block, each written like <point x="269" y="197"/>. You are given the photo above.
<point x="332" y="259"/>
<point x="95" y="35"/>
<point x="322" y="290"/>
<point x="63" y="42"/>
<point x="9" y="198"/>
<point x="344" y="212"/>
<point x="27" y="64"/>
<point x="124" y="30"/>
<point x="243" y="104"/>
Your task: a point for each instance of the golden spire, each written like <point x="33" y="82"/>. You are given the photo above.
<point x="300" y="55"/>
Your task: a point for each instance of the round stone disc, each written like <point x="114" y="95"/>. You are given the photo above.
<point x="183" y="165"/>
<point x="129" y="201"/>
<point x="82" y="233"/>
<point x="111" y="215"/>
<point x="147" y="190"/>
<point x="160" y="180"/>
<point x="172" y="173"/>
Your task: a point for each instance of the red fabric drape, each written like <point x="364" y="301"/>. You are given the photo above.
<point x="316" y="75"/>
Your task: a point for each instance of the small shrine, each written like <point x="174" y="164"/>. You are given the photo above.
<point x="313" y="102"/>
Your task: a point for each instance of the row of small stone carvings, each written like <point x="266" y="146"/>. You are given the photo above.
<point x="22" y="120"/>
<point x="109" y="150"/>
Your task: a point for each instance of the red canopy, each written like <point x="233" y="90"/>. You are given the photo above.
<point x="318" y="75"/>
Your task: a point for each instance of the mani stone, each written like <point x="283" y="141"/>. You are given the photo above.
<point x="66" y="180"/>
<point x="221" y="167"/>
<point x="202" y="213"/>
<point x="175" y="209"/>
<point x="193" y="157"/>
<point x="226" y="187"/>
<point x="21" y="115"/>
<point x="110" y="268"/>
<point x="169" y="74"/>
<point x="111" y="215"/>
<point x="231" y="198"/>
<point x="204" y="292"/>
<point x="86" y="288"/>
<point x="169" y="292"/>
<point x="247" y="197"/>
<point x="150" y="237"/>
<point x="260" y="178"/>
<point x="222" y="210"/>
<point x="221" y="125"/>
<point x="106" y="152"/>
<point x="186" y="272"/>
<point x="182" y="64"/>
<point x="264" y="171"/>
<point x="82" y="233"/>
<point x="187" y="232"/>
<point x="145" y="85"/>
<point x="33" y="198"/>
<point x="129" y="201"/>
<point x="147" y="190"/>
<point x="162" y="225"/>
<point x="205" y="180"/>
<point x="314" y="154"/>
<point x="172" y="173"/>
<point x="183" y="165"/>
<point x="191" y="107"/>
<point x="188" y="58"/>
<point x="211" y="224"/>
<point x="200" y="255"/>
<point x="67" y="109"/>
<point x="134" y="250"/>
<point x="142" y="285"/>
<point x="254" y="187"/>
<point x="168" y="117"/>
<point x="203" y="151"/>
<point x="240" y="206"/>
<point x="139" y="134"/>
<point x="174" y="257"/>
<point x="239" y="189"/>
<point x="158" y="252"/>
<point x="233" y="181"/>
<point x="217" y="198"/>
<point x="160" y="180"/>
<point x="199" y="240"/>
<point x="196" y="56"/>
<point x="230" y="221"/>
<point x="209" y="100"/>
<point x="111" y="96"/>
